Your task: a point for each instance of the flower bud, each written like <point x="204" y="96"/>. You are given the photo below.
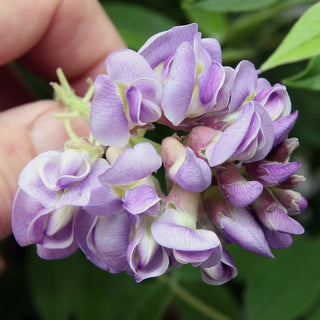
<point x="236" y="224"/>
<point x="200" y="138"/>
<point x="292" y="182"/>
<point x="183" y="167"/>
<point x="271" y="173"/>
<point x="236" y="189"/>
<point x="274" y="216"/>
<point x="284" y="150"/>
<point x="293" y="201"/>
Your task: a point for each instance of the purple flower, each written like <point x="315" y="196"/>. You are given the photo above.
<point x="235" y="188"/>
<point x="52" y="189"/>
<point x="229" y="176"/>
<point x="274" y="216"/>
<point x="113" y="229"/>
<point x="244" y="86"/>
<point x="246" y="135"/>
<point x="190" y="69"/>
<point x="255" y="120"/>
<point x="183" y="167"/>
<point x="220" y="273"/>
<point x="127" y="184"/>
<point x="145" y="256"/>
<point x="124" y="99"/>
<point x="236" y="224"/>
<point x="271" y="173"/>
<point x="104" y="239"/>
<point x="176" y="229"/>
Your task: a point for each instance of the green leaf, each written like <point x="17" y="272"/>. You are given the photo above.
<point x="315" y="315"/>
<point x="245" y="261"/>
<point x="136" y="23"/>
<point x="285" y="288"/>
<point x="74" y="287"/>
<point x="308" y="79"/>
<point x="229" y="5"/>
<point x="212" y="24"/>
<point x="302" y="42"/>
<point x="220" y="298"/>
<point x="234" y="55"/>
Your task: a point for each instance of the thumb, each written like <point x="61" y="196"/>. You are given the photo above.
<point x="26" y="131"/>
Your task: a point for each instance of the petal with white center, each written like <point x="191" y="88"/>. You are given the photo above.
<point x="178" y="87"/>
<point x="108" y="122"/>
<point x="164" y="44"/>
<point x="133" y="164"/>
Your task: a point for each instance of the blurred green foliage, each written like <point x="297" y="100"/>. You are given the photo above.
<point x="286" y="288"/>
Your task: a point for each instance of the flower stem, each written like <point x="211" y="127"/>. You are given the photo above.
<point x="193" y="301"/>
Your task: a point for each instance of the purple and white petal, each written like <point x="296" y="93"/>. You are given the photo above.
<point x="25" y="210"/>
<point x="212" y="46"/>
<point x="276" y="218"/>
<point x="146" y="258"/>
<point x="244" y="229"/>
<point x="31" y="179"/>
<point x="195" y="257"/>
<point x="133" y="164"/>
<point x="168" y="232"/>
<point x="125" y="65"/>
<point x="265" y="137"/>
<point x="104" y="201"/>
<point x="178" y="87"/>
<point x="108" y="122"/>
<point x="142" y="102"/>
<point x="59" y="253"/>
<point x="210" y="81"/>
<point x="193" y="175"/>
<point x="133" y="97"/>
<point x="164" y="44"/>
<point x="231" y="137"/>
<point x="202" y="56"/>
<point x="276" y="239"/>
<point x="283" y="126"/>
<point x="244" y="85"/>
<point x="150" y="111"/>
<point x="104" y="240"/>
<point x="59" y="219"/>
<point x="235" y="188"/>
<point x="271" y="173"/>
<point x="292" y="200"/>
<point x="140" y="199"/>
<point x="275" y="101"/>
<point x="220" y="273"/>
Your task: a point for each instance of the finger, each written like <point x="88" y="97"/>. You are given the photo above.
<point x="26" y="131"/>
<point x="75" y="35"/>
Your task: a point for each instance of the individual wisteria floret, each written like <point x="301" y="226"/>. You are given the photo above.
<point x="228" y="178"/>
<point x="52" y="189"/>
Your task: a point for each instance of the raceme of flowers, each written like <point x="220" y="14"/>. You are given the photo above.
<point x="229" y="177"/>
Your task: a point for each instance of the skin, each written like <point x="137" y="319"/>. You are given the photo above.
<point x="75" y="35"/>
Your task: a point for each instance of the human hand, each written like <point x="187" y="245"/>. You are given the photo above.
<point x="75" y="35"/>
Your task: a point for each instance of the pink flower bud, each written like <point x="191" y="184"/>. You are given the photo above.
<point x="200" y="138"/>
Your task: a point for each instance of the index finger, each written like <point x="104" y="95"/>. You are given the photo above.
<point x="75" y="35"/>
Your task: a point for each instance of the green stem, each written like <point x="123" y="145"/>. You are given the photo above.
<point x="70" y="131"/>
<point x="249" y="22"/>
<point x="193" y="301"/>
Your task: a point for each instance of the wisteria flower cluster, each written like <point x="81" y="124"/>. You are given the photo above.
<point x="229" y="178"/>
